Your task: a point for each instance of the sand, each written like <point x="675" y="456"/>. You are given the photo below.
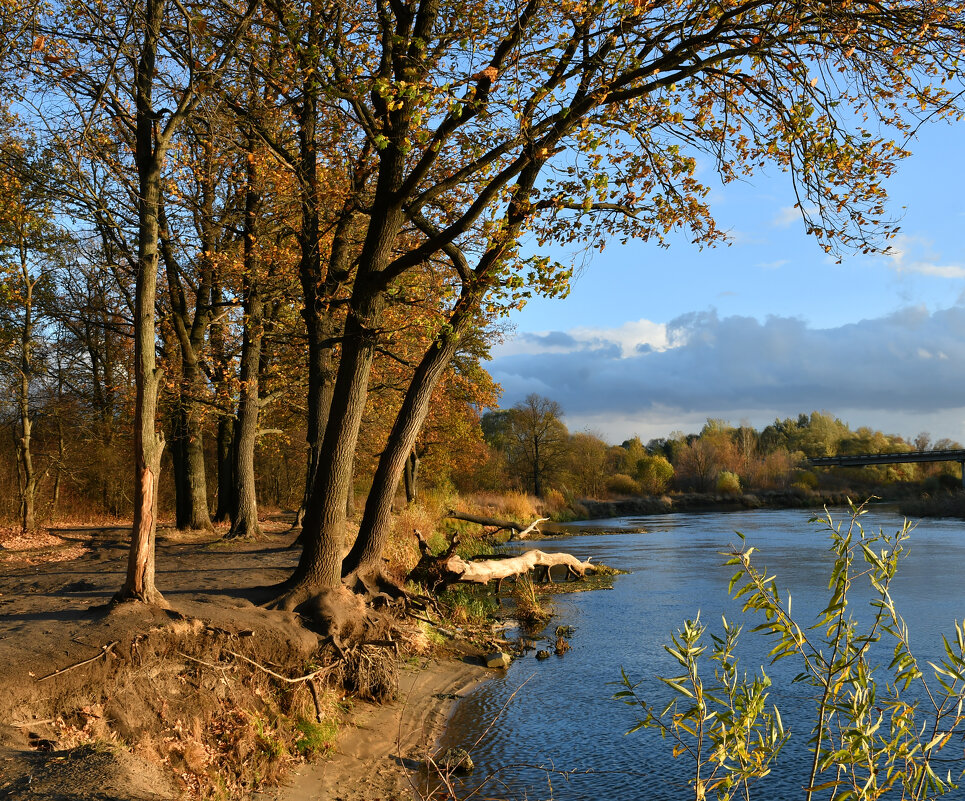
<point x="382" y="747"/>
<point x="49" y="589"/>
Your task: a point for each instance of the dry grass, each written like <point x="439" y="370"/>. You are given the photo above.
<point x="515" y="506"/>
<point x="425" y="516"/>
<point x="529" y="606"/>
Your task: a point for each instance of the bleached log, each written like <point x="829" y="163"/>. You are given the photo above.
<point x="485" y="570"/>
<point x="534" y="526"/>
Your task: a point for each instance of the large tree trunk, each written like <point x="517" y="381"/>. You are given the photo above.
<point x="244" y="512"/>
<point x="148" y="443"/>
<point x="189" y="321"/>
<point x="323" y="528"/>
<point x="313" y="273"/>
<point x="191" y="490"/>
<point x="366" y="554"/>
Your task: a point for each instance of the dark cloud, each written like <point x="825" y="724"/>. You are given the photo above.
<point x="912" y="361"/>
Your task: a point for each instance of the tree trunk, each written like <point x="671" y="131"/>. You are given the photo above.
<point x="373" y="536"/>
<point x="192" y="503"/>
<point x="28" y="479"/>
<point x="25" y="467"/>
<point x="226" y="418"/>
<point x="244" y="513"/>
<point x="411" y="477"/>
<point x="226" y="481"/>
<point x="58" y="470"/>
<point x="148" y="443"/>
<point x="312" y="273"/>
<point x="323" y="527"/>
<point x="486" y="570"/>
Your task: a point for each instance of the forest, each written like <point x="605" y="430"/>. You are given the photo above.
<point x="254" y="253"/>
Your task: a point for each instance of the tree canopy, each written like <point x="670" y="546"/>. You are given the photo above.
<point x="426" y="152"/>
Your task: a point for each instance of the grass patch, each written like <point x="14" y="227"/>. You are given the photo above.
<point x="468" y="605"/>
<point x="529" y="607"/>
<point x="315" y="739"/>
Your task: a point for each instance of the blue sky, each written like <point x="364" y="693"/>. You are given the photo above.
<point x="654" y="340"/>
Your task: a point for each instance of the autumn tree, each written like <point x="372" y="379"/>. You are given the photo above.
<point x="31" y="249"/>
<point x="584" y="121"/>
<point x="139" y="72"/>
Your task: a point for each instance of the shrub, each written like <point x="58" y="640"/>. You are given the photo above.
<point x="805" y="479"/>
<point x="655" y="474"/>
<point x="553" y="505"/>
<point x="870" y="735"/>
<point x="621" y="484"/>
<point x="728" y="483"/>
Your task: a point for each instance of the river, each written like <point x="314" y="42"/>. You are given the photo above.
<point x="563" y="717"/>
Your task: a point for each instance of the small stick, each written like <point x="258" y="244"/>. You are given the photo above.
<point x="222" y="668"/>
<point x="105" y="650"/>
<point x="318" y="705"/>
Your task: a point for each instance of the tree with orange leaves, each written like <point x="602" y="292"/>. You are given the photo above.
<point x="582" y="121"/>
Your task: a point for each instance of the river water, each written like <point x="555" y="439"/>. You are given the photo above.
<point x="562" y="716"/>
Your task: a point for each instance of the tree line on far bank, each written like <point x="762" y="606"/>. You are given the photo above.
<point x="531" y="450"/>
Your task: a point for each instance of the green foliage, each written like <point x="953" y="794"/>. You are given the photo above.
<point x="316" y="739"/>
<point x="654" y="474"/>
<point x="870" y="737"/>
<point x="728" y="483"/>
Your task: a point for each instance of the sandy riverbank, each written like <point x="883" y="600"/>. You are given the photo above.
<point x="137" y="703"/>
<point x="382" y="746"/>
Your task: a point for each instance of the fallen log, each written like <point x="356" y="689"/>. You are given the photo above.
<point x="483" y="571"/>
<point x="518" y="531"/>
<point x="438" y="572"/>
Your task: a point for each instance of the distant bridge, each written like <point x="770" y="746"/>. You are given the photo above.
<point x="861" y="460"/>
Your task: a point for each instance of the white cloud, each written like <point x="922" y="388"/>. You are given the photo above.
<point x="645" y="376"/>
<point x="625" y="340"/>
<point x="786" y="217"/>
<point x="912" y="254"/>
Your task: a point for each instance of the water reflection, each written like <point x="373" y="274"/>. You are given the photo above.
<point x="563" y="718"/>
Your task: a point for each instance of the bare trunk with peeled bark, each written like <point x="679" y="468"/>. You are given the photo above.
<point x="485" y="570"/>
<point x="148" y="442"/>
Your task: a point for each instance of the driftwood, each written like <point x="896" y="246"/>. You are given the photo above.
<point x="518" y="531"/>
<point x="485" y="570"/>
<point x="436" y="572"/>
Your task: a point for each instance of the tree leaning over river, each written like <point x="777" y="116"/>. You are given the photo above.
<point x="583" y="122"/>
